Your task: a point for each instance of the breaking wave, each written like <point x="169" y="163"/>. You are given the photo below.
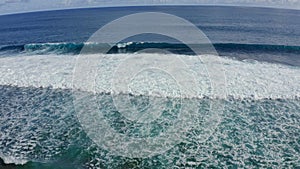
<point x="260" y="119"/>
<point x="244" y="79"/>
<point x="131" y="47"/>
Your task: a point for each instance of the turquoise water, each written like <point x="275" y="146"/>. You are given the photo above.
<point x="249" y="135"/>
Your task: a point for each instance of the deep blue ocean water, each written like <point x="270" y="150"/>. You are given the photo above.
<point x="235" y="31"/>
<point x="39" y="129"/>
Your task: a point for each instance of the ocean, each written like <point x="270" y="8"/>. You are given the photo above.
<point x="51" y="117"/>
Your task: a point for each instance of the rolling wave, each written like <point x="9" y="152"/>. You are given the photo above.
<point x="131" y="47"/>
<point x="36" y="94"/>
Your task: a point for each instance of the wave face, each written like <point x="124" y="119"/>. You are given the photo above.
<point x="262" y="52"/>
<point x="131" y="47"/>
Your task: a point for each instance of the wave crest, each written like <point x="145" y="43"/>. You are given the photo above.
<point x="131" y="47"/>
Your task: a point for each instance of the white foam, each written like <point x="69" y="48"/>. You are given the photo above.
<point x="124" y="45"/>
<point x="244" y="78"/>
<point x="13" y="160"/>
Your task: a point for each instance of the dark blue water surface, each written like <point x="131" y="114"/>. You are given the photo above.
<point x="220" y="24"/>
<point x="259" y="33"/>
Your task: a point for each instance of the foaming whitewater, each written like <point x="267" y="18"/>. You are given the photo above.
<point x="244" y="79"/>
<point x="13" y="160"/>
<point x="258" y="128"/>
<point x="39" y="125"/>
